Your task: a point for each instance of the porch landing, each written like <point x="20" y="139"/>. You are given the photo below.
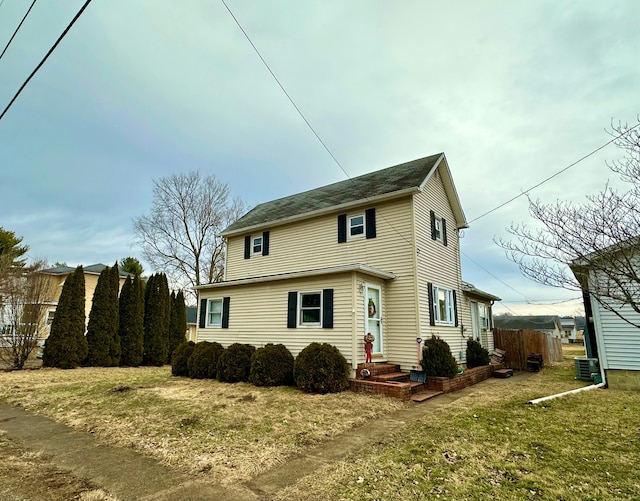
<point x="388" y="379"/>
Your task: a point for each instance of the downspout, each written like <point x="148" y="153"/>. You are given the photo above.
<point x="570" y="392"/>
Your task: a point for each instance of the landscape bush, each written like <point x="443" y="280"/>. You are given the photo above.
<point x="321" y="368"/>
<point x="272" y="366"/>
<point x="180" y="358"/>
<point x="476" y="354"/>
<point x="203" y="362"/>
<point x="234" y="364"/>
<point x="437" y="359"/>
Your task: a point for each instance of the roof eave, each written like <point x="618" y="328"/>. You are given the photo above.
<point x="450" y="189"/>
<point x="362" y="268"/>
<point x="320" y="212"/>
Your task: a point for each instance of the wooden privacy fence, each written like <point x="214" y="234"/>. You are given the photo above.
<point x="518" y="344"/>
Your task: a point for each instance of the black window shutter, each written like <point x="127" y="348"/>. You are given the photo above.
<point x="203" y="313"/>
<point x="455" y="309"/>
<point x="342" y="228"/>
<point x="433" y="225"/>
<point x="444" y="232"/>
<point x="370" y="222"/>
<point x="327" y="308"/>
<point x="225" y="312"/>
<point x="432" y="319"/>
<point x="292" y="310"/>
<point x="265" y="243"/>
<point x="247" y="247"/>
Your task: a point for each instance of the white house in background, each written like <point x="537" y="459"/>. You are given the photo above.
<point x="614" y="337"/>
<point x="377" y="254"/>
<point x="569" y="330"/>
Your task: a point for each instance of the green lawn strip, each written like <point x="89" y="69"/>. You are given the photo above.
<point x="584" y="446"/>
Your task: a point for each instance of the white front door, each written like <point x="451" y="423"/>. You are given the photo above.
<point x="373" y="312"/>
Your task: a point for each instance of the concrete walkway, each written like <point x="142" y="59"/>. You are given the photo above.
<point x="129" y="475"/>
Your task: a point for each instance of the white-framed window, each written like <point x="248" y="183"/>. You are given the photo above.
<point x="256" y="245"/>
<point x="443" y="309"/>
<point x="437" y="225"/>
<point x="483" y="314"/>
<point x="50" y="315"/>
<point x="310" y="308"/>
<point x="214" y="312"/>
<point x="356" y="225"/>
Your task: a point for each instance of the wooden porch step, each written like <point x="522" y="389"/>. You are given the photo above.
<point x="425" y="395"/>
<point x="392" y="376"/>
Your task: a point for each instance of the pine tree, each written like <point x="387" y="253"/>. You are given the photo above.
<point x="178" y="324"/>
<point x="157" y="316"/>
<point x="131" y="318"/>
<point x="115" y="350"/>
<point x="66" y="346"/>
<point x="103" y="322"/>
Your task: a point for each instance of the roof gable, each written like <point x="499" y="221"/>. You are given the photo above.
<point x="391" y="182"/>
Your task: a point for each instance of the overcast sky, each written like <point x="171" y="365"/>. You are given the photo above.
<point x="512" y="92"/>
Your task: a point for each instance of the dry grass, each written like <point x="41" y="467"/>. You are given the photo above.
<point x="491" y="445"/>
<point x="228" y="432"/>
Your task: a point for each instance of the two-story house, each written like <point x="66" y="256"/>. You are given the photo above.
<point x="379" y="254"/>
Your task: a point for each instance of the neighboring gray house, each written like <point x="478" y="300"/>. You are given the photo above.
<point x="612" y="322"/>
<point x="549" y="324"/>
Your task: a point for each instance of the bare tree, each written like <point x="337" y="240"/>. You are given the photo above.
<point x="24" y="293"/>
<point x="598" y="239"/>
<point x="181" y="234"/>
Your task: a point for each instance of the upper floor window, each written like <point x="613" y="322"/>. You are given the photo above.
<point x="437" y="228"/>
<point x="257" y="245"/>
<point x="356" y="225"/>
<point x="50" y="315"/>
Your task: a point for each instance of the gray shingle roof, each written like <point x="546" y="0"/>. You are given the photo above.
<point x="386" y="181"/>
<point x="547" y="322"/>
<point x="92" y="268"/>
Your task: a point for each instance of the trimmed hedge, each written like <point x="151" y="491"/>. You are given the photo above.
<point x="180" y="358"/>
<point x="476" y="354"/>
<point x="234" y="363"/>
<point x="272" y="366"/>
<point x="321" y="368"/>
<point x="203" y="362"/>
<point x="437" y="359"/>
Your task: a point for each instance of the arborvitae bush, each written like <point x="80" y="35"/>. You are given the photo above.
<point x="321" y="368"/>
<point x="203" y="361"/>
<point x="234" y="364"/>
<point x="131" y="319"/>
<point x="437" y="359"/>
<point x="157" y="316"/>
<point x="66" y="347"/>
<point x="102" y="330"/>
<point x="178" y="322"/>
<point x="180" y="358"/>
<point x="476" y="354"/>
<point x="272" y="366"/>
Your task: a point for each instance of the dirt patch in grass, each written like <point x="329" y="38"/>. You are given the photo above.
<point x="227" y="432"/>
<point x="29" y="475"/>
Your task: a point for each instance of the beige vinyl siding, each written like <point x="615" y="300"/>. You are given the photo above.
<point x="258" y="314"/>
<point x="437" y="263"/>
<point x="313" y="244"/>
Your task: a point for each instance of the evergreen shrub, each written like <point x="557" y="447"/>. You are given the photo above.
<point x="476" y="354"/>
<point x="437" y="359"/>
<point x="234" y="363"/>
<point x="180" y="358"/>
<point x="203" y="361"/>
<point x="272" y="366"/>
<point x="321" y="368"/>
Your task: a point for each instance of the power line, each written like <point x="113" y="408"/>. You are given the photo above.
<point x="46" y="56"/>
<point x="554" y="175"/>
<point x="18" y="28"/>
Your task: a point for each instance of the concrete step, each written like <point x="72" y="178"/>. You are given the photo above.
<point x="425" y="395"/>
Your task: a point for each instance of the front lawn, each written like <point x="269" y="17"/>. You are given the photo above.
<point x="229" y="432"/>
<point x="492" y="445"/>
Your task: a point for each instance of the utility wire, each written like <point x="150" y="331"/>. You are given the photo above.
<point x="554" y="175"/>
<point x="18" y="28"/>
<point x="46" y="56"/>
